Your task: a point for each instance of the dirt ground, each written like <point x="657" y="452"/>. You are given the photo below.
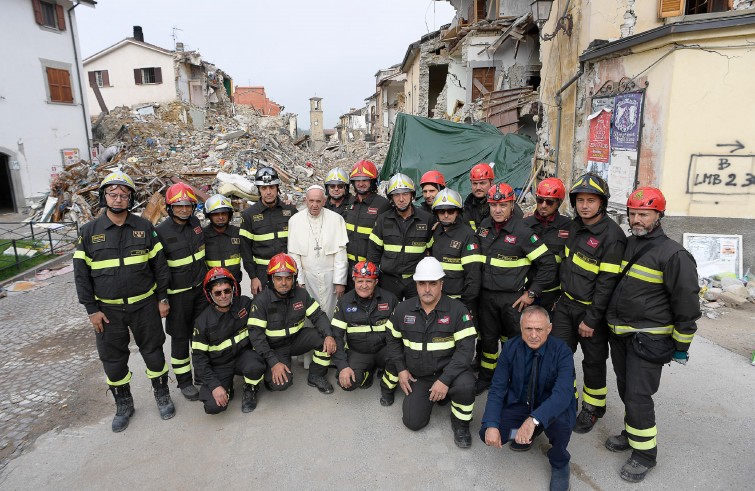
<point x="733" y="330"/>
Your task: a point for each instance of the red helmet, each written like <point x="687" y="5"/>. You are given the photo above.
<point x="218" y="274"/>
<point x="364" y="169"/>
<point x="281" y="263"/>
<point x="481" y="171"/>
<point x="433" y="177"/>
<point x="500" y="193"/>
<point x="365" y="269"/>
<point x="647" y="198"/>
<point x="551" y="187"/>
<point x="180" y="194"/>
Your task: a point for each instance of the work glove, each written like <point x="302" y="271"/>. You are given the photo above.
<point x="681" y="357"/>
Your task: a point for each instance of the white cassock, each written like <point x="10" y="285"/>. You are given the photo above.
<point x="318" y="245"/>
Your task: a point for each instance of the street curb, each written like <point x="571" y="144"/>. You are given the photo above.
<point x="39" y="267"/>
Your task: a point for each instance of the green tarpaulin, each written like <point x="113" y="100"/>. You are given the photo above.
<point x="421" y="144"/>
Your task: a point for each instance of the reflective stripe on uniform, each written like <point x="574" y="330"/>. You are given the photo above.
<point x="312" y="308"/>
<point x="253" y="382"/>
<point x="537" y="252"/>
<point x="394" y="332"/>
<point x="399" y="248"/>
<point x="452" y="267"/>
<point x="360" y="230"/>
<point x="276" y="333"/>
<point x="578" y="261"/>
<point x="321" y="358"/>
<point x="246" y="233"/>
<point x="151" y="374"/>
<point x="253" y="321"/>
<point x="226" y="262"/>
<point x="466" y="332"/>
<point x="355" y="259"/>
<point x="339" y="323"/>
<point x="129" y="300"/>
<point x="682" y="338"/>
<point x="473" y="258"/>
<point x="389" y="379"/>
<point x="642" y="273"/>
<point x="585" y="302"/>
<point x="120" y="382"/>
<point x="377" y="240"/>
<point x="587" y="396"/>
<point x="195" y="345"/>
<point x="462" y="411"/>
<point x="557" y="287"/>
<point x="261" y="262"/>
<point x="360" y="329"/>
<point x="610" y="268"/>
<point x="174" y="263"/>
<point x="431" y="346"/>
<point x="650" y="330"/>
<point x="271" y="236"/>
<point x="507" y="263"/>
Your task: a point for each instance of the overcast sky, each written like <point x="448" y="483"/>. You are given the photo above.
<point x="296" y="49"/>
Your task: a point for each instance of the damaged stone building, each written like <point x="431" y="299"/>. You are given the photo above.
<point x="133" y="72"/>
<point x="655" y="94"/>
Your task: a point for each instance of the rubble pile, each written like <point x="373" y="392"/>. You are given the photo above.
<point x="213" y="150"/>
<point x="723" y="291"/>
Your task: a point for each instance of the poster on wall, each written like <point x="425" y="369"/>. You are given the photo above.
<point x="715" y="254"/>
<point x="625" y="134"/>
<point x="621" y="176"/>
<point x="599" y="145"/>
<point x="70" y="156"/>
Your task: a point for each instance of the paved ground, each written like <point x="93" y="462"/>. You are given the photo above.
<point x="51" y="384"/>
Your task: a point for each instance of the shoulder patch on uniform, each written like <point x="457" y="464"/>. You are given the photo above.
<point x="235" y="240"/>
<point x="372" y="211"/>
<point x="139" y="234"/>
<point x="351" y="309"/>
<point x="197" y="230"/>
<point x="421" y="226"/>
<point x="410" y="319"/>
<point x="510" y="239"/>
<point x="258" y="218"/>
<point x="563" y="234"/>
<point x="534" y="238"/>
<point x="472" y="247"/>
<point x="154" y="234"/>
<point x="455" y="244"/>
<point x="593" y="242"/>
<point x="483" y="232"/>
<point x="242" y="313"/>
<point x="383" y="306"/>
<point x="444" y="320"/>
<point x="286" y="213"/>
<point x="465" y="317"/>
<point x="80" y="239"/>
<point x="298" y="305"/>
<point x="98" y="238"/>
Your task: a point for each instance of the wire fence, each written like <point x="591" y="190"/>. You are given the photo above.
<point x="23" y="245"/>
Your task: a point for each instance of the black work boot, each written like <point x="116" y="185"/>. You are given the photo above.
<point x="462" y="436"/>
<point x="124" y="406"/>
<point x="249" y="399"/>
<point x="617" y="443"/>
<point x="634" y="471"/>
<point x="190" y="392"/>
<point x="387" y="397"/>
<point x="319" y="382"/>
<point x="585" y="420"/>
<point x="162" y="396"/>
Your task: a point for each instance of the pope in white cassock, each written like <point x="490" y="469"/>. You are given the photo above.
<point x="317" y="242"/>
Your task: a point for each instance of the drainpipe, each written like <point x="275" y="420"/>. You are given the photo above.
<point x="81" y="88"/>
<point x="560" y="110"/>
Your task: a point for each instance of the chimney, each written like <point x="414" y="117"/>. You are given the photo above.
<point x="138" y="34"/>
<point x="179" y="46"/>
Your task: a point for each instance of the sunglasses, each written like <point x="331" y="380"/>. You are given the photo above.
<point x="447" y="212"/>
<point x="336" y="186"/>
<point x="549" y="202"/>
<point x="220" y="293"/>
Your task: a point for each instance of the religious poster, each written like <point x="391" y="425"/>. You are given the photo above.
<point x="625" y="134"/>
<point x="599" y="145"/>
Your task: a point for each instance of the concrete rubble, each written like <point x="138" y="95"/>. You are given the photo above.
<point x="166" y="145"/>
<point x="724" y="292"/>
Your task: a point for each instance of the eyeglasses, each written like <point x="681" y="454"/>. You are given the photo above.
<point x="220" y="293"/>
<point x="336" y="186"/>
<point x="116" y="196"/>
<point x="447" y="212"/>
<point x="549" y="202"/>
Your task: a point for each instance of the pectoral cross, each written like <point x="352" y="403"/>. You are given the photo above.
<point x="317" y="249"/>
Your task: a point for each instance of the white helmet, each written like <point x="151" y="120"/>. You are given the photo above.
<point x="429" y="269"/>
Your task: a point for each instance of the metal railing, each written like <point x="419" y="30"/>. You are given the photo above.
<point x="44" y="238"/>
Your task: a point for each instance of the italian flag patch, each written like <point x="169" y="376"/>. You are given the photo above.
<point x="534" y="238"/>
<point x="465" y="318"/>
<point x="471" y="247"/>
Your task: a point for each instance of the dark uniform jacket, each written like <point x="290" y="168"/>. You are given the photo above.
<point x="219" y="338"/>
<point x="119" y="265"/>
<point x="362" y="323"/>
<point x="440" y="344"/>
<point x="223" y="249"/>
<point x="360" y="218"/>
<point x="476" y="210"/>
<point x="264" y="233"/>
<point x="554" y="390"/>
<point x="659" y="293"/>
<point x="397" y="245"/>
<point x="274" y="321"/>
<point x="458" y="251"/>
<point x="184" y="251"/>
<point x="591" y="265"/>
<point x="509" y="254"/>
<point x="554" y="234"/>
<point x="341" y="209"/>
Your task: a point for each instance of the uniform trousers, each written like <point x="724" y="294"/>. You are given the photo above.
<point x="417" y="406"/>
<point x="365" y="365"/>
<point x="308" y="339"/>
<point x="248" y="364"/>
<point x="185" y="307"/>
<point x="498" y="321"/>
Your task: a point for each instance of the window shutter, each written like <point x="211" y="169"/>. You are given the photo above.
<point x="65" y="86"/>
<point x="38" y="15"/>
<point x="52" y="82"/>
<point x="158" y="75"/>
<point x="105" y="78"/>
<point x="61" y="15"/>
<point x="138" y="76"/>
<point x="92" y="78"/>
<point x="670" y="8"/>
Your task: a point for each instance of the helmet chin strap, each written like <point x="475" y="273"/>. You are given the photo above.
<point x="117" y="211"/>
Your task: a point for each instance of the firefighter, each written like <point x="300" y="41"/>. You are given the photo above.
<point x="431" y="184"/>
<point x="183" y="243"/>
<point x="264" y="227"/>
<point x="588" y="274"/>
<point x="337" y="191"/>
<point x="400" y="239"/>
<point x="277" y="332"/>
<point x="220" y="345"/>
<point x="652" y="312"/>
<point x="359" y="321"/>
<point x="362" y="214"/>
<point x="431" y="344"/>
<point x="552" y="228"/>
<point x="456" y="246"/>
<point x="221" y="238"/>
<point x="122" y="280"/>
<point x="476" y="205"/>
<point x="509" y="248"/>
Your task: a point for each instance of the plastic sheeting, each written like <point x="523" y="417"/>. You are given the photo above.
<point x="421" y="144"/>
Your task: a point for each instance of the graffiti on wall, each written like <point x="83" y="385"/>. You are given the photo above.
<point x="721" y="174"/>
